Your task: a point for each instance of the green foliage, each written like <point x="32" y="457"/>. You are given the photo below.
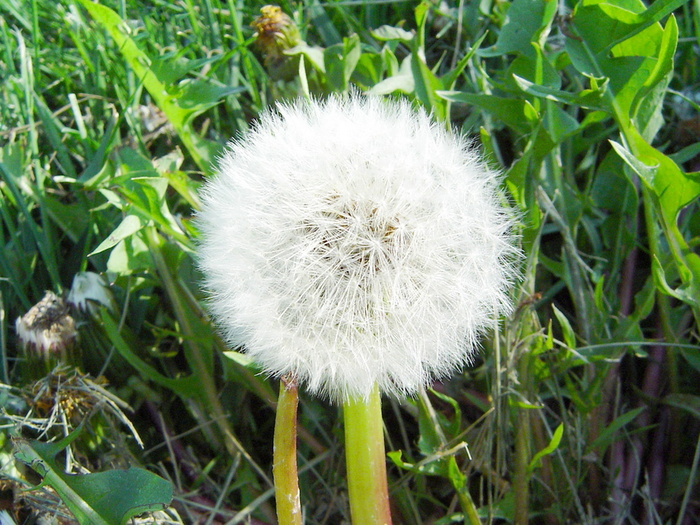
<point x="102" y="498"/>
<point x="112" y="112"/>
<point x="182" y="101"/>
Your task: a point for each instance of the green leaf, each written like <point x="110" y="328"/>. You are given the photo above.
<point x="450" y="425"/>
<point x="559" y="124"/>
<point x="609" y="434"/>
<point x="51" y="127"/>
<point x="687" y="402"/>
<point x="129" y="256"/>
<point x="313" y="54"/>
<point x="340" y="61"/>
<point x="145" y="190"/>
<point x="396" y="457"/>
<point x="199" y="95"/>
<point x="638" y="22"/>
<point x="512" y="112"/>
<point x="102" y="498"/>
<point x="72" y="218"/>
<point x="670" y="191"/>
<point x="674" y="188"/>
<point x="171" y="67"/>
<point x="536" y="68"/>
<point x="638" y="66"/>
<point x="647" y="105"/>
<point x="586" y="98"/>
<point x="402" y="81"/>
<point x="522" y="404"/>
<point x="130" y="225"/>
<point x="517" y="181"/>
<point x="567" y="331"/>
<point x="387" y="33"/>
<point x="241" y="359"/>
<point x="451" y="77"/>
<point x="526" y="21"/>
<point x="186" y="387"/>
<point x="688" y="293"/>
<point x="426" y="83"/>
<point x="551" y="447"/>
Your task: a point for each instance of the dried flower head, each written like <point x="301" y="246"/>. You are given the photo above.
<point x="275" y="33"/>
<point x="353" y="242"/>
<point x="47" y="327"/>
<point x="47" y="336"/>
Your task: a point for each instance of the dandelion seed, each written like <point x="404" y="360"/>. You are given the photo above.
<point x="353" y="242"/>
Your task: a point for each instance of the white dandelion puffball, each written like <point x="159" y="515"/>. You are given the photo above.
<point x="351" y="242"/>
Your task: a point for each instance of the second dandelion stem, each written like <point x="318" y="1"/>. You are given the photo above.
<point x="366" y="461"/>
<point x="284" y="466"/>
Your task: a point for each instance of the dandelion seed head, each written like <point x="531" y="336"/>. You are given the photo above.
<point x="351" y="242"/>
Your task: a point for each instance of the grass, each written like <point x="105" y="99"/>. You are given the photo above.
<point x="584" y="405"/>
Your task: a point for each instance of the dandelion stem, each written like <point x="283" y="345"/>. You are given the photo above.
<point x="366" y="461"/>
<point x="284" y="468"/>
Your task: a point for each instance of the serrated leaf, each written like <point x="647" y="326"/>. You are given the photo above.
<point x="102" y="498"/>
<point x="674" y="188"/>
<point x="638" y="65"/>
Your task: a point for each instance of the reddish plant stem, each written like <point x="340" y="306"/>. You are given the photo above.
<point x="605" y="412"/>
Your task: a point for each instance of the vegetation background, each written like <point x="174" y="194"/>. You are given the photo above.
<point x="584" y="406"/>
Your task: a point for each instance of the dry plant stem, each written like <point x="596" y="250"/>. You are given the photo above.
<point x="284" y="467"/>
<point x="366" y="461"/>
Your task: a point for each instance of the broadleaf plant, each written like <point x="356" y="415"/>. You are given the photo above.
<point x="100" y="498"/>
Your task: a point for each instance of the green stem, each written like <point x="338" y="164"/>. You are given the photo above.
<point x="471" y="515"/>
<point x="366" y="461"/>
<point x="521" y="476"/>
<point x="284" y="467"/>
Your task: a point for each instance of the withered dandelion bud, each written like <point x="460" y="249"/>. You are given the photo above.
<point x="275" y="33"/>
<point x="47" y="334"/>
